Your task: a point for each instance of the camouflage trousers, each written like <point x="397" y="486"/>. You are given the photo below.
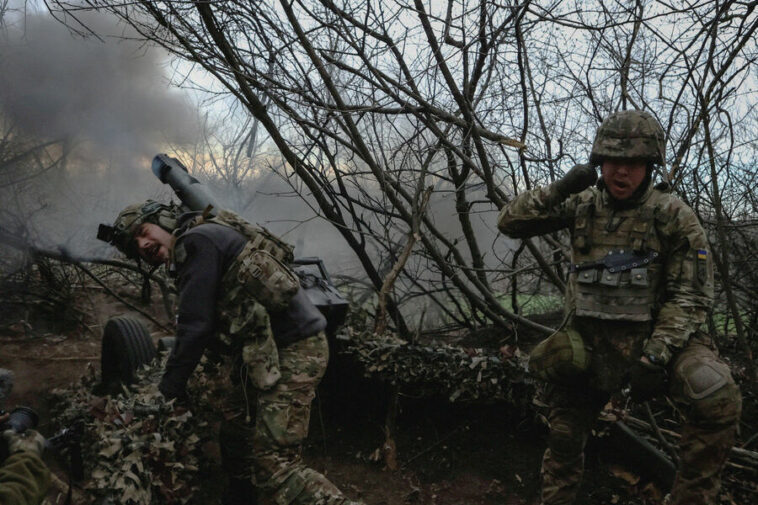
<point x="701" y="384"/>
<point x="262" y="433"/>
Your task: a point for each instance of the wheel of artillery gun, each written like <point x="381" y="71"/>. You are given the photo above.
<point x="126" y="346"/>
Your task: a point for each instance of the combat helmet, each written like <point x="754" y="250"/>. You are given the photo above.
<point x="629" y="134"/>
<point x="129" y="220"/>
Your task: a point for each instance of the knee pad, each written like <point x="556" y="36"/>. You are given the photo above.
<point x="706" y="384"/>
<point x="721" y="407"/>
<point x="702" y="377"/>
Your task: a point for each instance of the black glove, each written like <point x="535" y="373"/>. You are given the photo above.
<point x="646" y="380"/>
<point x="576" y="180"/>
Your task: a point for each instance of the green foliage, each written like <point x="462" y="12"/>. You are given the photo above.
<point x="538" y="304"/>
<point x="532" y="304"/>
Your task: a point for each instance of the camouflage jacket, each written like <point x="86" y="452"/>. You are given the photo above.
<point x="674" y="291"/>
<point x="24" y="479"/>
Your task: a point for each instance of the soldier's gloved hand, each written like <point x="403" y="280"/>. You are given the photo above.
<point x="28" y="441"/>
<point x="646" y="380"/>
<point x="576" y="180"/>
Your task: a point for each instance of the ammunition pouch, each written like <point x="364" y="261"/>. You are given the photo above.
<point x="561" y="356"/>
<point x="620" y="286"/>
<point x="246" y="328"/>
<point x="261" y="359"/>
<point x="265" y="278"/>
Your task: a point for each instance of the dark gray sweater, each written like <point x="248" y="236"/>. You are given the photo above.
<point x="210" y="249"/>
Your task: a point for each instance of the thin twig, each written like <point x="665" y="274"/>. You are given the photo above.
<point x="665" y="443"/>
<point x="121" y="299"/>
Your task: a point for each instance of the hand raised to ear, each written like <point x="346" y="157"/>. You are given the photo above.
<point x="576" y="180"/>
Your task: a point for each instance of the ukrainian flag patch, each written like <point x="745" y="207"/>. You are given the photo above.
<point x="702" y="254"/>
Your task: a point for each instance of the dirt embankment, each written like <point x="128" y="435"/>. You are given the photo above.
<point x="448" y="453"/>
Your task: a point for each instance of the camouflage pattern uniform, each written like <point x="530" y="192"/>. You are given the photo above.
<point x="268" y="443"/>
<point x="653" y="310"/>
<point x="270" y="367"/>
<point x="265" y="426"/>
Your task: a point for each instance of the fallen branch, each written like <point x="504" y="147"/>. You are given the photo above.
<point x="665" y="443"/>
<point x="739" y="455"/>
<point x="122" y="299"/>
<point x="66" y="257"/>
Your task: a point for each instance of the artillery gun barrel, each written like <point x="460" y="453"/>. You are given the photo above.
<point x="189" y="190"/>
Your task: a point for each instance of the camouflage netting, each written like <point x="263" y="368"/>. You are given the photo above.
<point x="137" y="448"/>
<point x="439" y="369"/>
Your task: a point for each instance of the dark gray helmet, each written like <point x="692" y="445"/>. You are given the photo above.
<point x="129" y="220"/>
<point x="629" y="134"/>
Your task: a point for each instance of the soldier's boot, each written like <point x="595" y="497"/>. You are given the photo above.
<point x="239" y="492"/>
<point x="704" y="447"/>
<point x="563" y="462"/>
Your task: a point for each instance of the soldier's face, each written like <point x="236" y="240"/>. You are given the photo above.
<point x="153" y="243"/>
<point x="623" y="176"/>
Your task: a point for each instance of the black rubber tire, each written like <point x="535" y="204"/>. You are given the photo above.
<point x="126" y="346"/>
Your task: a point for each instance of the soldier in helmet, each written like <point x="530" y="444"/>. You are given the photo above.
<point x="274" y="348"/>
<point x="640" y="286"/>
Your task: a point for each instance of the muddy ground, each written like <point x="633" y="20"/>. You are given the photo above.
<point x="448" y="454"/>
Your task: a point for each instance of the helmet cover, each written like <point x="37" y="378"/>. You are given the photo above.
<point x="129" y="221"/>
<point x="629" y="134"/>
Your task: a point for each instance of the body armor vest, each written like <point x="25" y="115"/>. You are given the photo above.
<point x="628" y="293"/>
<point x="260" y="269"/>
<point x="256" y="284"/>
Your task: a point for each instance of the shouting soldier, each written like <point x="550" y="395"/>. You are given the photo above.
<point x="238" y="298"/>
<point x="640" y="286"/>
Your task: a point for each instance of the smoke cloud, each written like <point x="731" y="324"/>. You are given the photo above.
<point x="108" y="102"/>
<point x="112" y="93"/>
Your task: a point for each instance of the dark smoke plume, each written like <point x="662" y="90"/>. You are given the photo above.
<point x="112" y="93"/>
<point x="107" y="100"/>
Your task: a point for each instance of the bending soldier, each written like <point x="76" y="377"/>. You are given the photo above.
<point x="640" y="286"/>
<point x="237" y="298"/>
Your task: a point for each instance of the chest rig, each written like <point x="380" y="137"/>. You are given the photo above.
<point x="260" y="270"/>
<point x="616" y="267"/>
<point x="258" y="283"/>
